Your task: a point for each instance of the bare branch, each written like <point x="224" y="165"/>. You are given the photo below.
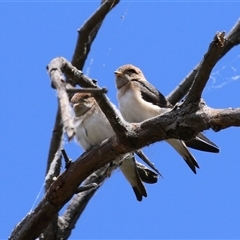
<point x="232" y="40"/>
<point x="183" y="123"/>
<point x="54" y="168"/>
<point x="56" y="142"/>
<point x="85" y="39"/>
<point x="206" y="66"/>
<point x="59" y="83"/>
<point x="79" y="202"/>
<point x="88" y="90"/>
<point x="88" y="32"/>
<point x="225" y="118"/>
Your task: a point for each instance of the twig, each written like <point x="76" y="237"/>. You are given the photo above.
<point x="88" y="90"/>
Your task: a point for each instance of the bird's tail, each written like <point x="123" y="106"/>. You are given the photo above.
<point x="129" y="170"/>
<point x="181" y="148"/>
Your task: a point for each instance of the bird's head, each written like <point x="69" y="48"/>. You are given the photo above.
<point x="127" y="73"/>
<point x="81" y="103"/>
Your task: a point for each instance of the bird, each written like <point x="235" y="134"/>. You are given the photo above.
<point x="92" y="127"/>
<point x="139" y="100"/>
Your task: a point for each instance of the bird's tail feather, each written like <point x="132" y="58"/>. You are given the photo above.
<point x="129" y="170"/>
<point x="181" y="148"/>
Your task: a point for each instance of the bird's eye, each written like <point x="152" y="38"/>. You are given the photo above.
<point x="132" y="71"/>
<point x="86" y="96"/>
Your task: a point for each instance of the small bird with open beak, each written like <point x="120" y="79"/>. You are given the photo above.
<point x="92" y="127"/>
<point x="139" y="100"/>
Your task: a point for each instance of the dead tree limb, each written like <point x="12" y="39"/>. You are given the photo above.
<point x="87" y="34"/>
<point x="232" y="40"/>
<point x="182" y="122"/>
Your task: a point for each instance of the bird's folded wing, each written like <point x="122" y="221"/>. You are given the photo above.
<point x="202" y="143"/>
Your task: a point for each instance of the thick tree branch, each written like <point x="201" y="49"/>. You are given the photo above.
<point x="79" y="202"/>
<point x="182" y="123"/>
<point x="232" y="40"/>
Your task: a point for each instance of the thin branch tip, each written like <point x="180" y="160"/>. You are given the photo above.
<point x="88" y="90"/>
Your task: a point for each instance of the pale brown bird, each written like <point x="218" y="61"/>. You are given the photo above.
<point x="139" y="100"/>
<point x="92" y="127"/>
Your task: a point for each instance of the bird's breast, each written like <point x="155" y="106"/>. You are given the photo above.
<point x="93" y="129"/>
<point x="134" y="108"/>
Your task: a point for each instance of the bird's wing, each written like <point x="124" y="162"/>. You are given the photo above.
<point x="202" y="143"/>
<point x="181" y="148"/>
<point x="151" y="94"/>
<point x="146" y="174"/>
<point x="129" y="170"/>
<point x="141" y="154"/>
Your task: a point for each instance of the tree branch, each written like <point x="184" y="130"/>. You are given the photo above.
<point x="86" y="37"/>
<point x="209" y="61"/>
<point x="88" y="90"/>
<point x="232" y="40"/>
<point x="79" y="202"/>
<point x="182" y="123"/>
<point x="84" y="41"/>
<point x="88" y="32"/>
<point x="59" y="83"/>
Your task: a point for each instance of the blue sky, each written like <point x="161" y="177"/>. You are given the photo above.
<point x="166" y="40"/>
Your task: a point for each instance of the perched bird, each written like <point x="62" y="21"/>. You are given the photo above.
<point x="92" y="127"/>
<point x="139" y="100"/>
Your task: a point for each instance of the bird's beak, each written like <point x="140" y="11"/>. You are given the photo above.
<point x="117" y="73"/>
<point x="75" y="105"/>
